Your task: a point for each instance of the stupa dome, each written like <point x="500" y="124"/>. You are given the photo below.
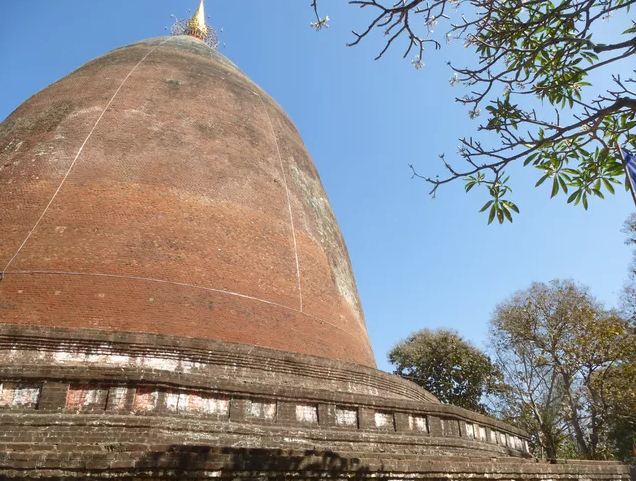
<point x="158" y="190"/>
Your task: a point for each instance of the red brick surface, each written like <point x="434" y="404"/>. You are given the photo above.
<point x="175" y="217"/>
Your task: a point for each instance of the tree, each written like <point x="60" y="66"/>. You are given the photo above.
<point x="621" y="393"/>
<point x="446" y="365"/>
<point x="628" y="299"/>
<point x="563" y="354"/>
<point x="620" y="399"/>
<point x="534" y="398"/>
<point x="534" y="60"/>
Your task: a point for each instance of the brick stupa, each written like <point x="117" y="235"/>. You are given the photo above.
<point x="177" y="300"/>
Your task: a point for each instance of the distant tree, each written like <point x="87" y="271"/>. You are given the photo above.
<point x="628" y="299"/>
<point x="448" y="366"/>
<point x="621" y="392"/>
<point x="565" y="359"/>
<point x="535" y="396"/>
<point x="531" y="78"/>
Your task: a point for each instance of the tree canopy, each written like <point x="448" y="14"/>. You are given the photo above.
<point x="567" y="362"/>
<point x="563" y="368"/>
<point x="629" y="293"/>
<point x="446" y="365"/>
<point x="531" y="86"/>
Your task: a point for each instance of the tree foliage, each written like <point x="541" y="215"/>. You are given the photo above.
<point x="629" y="293"/>
<point x="564" y="370"/>
<point x="446" y="365"/>
<point x="569" y="364"/>
<point x="531" y="80"/>
<point x="622" y="392"/>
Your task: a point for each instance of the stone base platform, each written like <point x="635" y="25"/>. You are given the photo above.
<point x="90" y="404"/>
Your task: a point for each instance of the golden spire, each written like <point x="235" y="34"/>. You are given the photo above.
<point x="196" y="26"/>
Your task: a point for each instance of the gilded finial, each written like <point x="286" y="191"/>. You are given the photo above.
<point x="196" y="27"/>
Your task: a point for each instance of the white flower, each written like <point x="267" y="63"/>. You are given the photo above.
<point x="320" y="23"/>
<point x="430" y="23"/>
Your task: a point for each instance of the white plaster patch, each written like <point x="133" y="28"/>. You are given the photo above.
<point x="307" y="413"/>
<point x="118" y="397"/>
<point x="482" y="433"/>
<point x="346" y="417"/>
<point x="172" y="401"/>
<point x="418" y="423"/>
<point x="97" y="358"/>
<point x="104" y="355"/>
<point x="62" y="356"/>
<point x="299" y="441"/>
<point x="383" y="420"/>
<point x="188" y="366"/>
<point x="159" y="363"/>
<point x="118" y="359"/>
<point x="83" y="396"/>
<point x="206" y="404"/>
<point x="21" y="395"/>
<point x="470" y="430"/>
<point x="262" y="410"/>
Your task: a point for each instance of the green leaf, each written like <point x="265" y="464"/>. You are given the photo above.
<point x="541" y="180"/>
<point x="530" y="158"/>
<point x="491" y="216"/>
<point x="555" y="187"/>
<point x="573" y="196"/>
<point x="486" y="205"/>
<point x="507" y="214"/>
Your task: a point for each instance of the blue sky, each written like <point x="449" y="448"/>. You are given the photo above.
<point x="418" y="262"/>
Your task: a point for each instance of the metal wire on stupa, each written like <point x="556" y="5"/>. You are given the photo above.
<point x="196" y="27"/>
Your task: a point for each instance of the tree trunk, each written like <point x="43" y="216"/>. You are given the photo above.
<point x="573" y="418"/>
<point x="550" y="443"/>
